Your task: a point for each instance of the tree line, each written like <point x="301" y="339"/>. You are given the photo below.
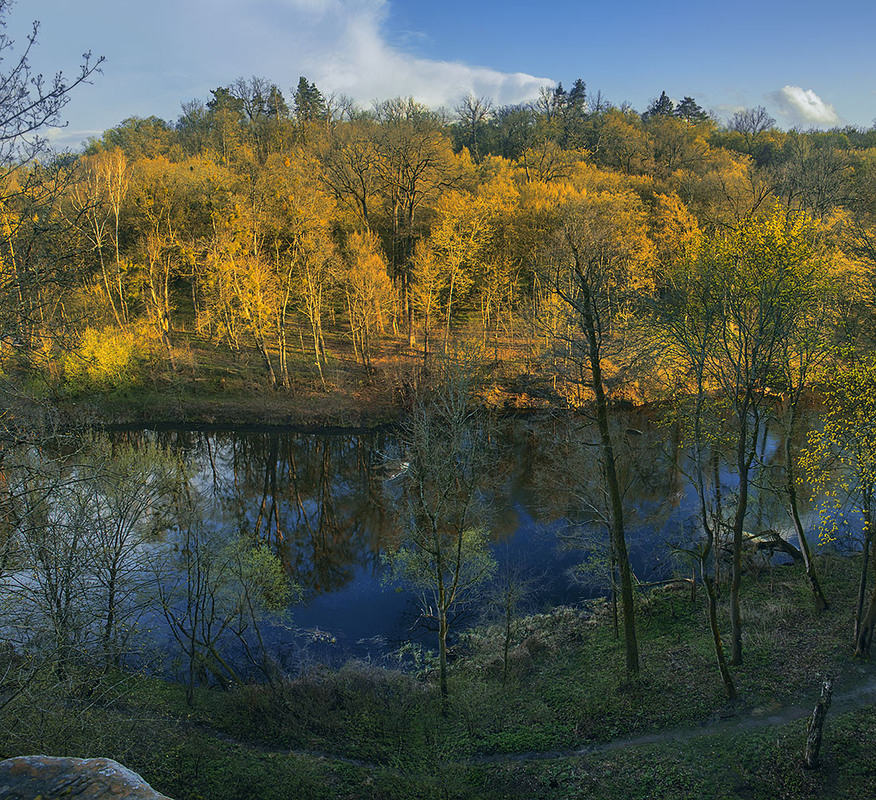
<point x="303" y="232"/>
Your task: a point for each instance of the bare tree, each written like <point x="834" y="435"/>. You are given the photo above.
<point x="472" y="112"/>
<point x="212" y="590"/>
<point x="751" y="123"/>
<point x="28" y="102"/>
<point x="443" y="552"/>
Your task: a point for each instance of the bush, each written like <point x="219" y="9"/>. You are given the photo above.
<point x="107" y="359"/>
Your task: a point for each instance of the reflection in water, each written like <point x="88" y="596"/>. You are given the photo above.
<point x="321" y="500"/>
<point x="315" y="498"/>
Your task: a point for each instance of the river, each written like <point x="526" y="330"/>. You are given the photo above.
<point x="323" y="501"/>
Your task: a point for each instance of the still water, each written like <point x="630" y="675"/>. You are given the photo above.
<point x="323" y="501"/>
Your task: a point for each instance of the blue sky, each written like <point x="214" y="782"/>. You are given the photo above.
<point x="810" y="63"/>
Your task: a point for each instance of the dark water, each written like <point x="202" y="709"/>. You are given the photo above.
<point x="324" y="502"/>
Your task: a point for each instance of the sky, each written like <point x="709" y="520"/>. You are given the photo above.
<point x="811" y="64"/>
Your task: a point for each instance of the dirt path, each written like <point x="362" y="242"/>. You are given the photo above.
<point x="858" y="690"/>
<point x="851" y="691"/>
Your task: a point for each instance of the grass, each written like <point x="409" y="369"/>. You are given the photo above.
<point x="363" y="731"/>
<point x="207" y="383"/>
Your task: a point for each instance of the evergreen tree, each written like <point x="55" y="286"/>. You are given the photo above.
<point x="309" y="102"/>
<point x="688" y="109"/>
<point x="661" y="107"/>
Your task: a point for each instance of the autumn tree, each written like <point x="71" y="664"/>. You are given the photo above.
<point x="427" y="279"/>
<point x="687" y="320"/>
<point x="414" y="164"/>
<point x="840" y="461"/>
<point x="168" y="217"/>
<point x="597" y="259"/>
<point x="97" y="198"/>
<point x="368" y="293"/>
<point x="138" y="138"/>
<point x="749" y="288"/>
<point x="459" y="240"/>
<point x="312" y="257"/>
<point x="621" y="143"/>
<point x="678" y="144"/>
<point x="809" y="349"/>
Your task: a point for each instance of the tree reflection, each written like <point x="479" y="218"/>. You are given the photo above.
<point x="318" y="498"/>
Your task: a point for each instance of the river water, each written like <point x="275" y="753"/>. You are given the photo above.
<point x="323" y="501"/>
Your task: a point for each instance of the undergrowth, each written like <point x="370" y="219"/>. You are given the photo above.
<point x="367" y="731"/>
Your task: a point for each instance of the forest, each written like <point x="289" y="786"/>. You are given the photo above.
<point x="432" y="268"/>
<point x="304" y="241"/>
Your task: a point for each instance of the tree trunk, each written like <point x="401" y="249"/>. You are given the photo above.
<point x="726" y="677"/>
<point x="862" y="584"/>
<point x="111" y="657"/>
<point x="507" y="643"/>
<point x="866" y="624"/>
<point x="442" y="655"/>
<point x="744" y="465"/>
<point x="710" y="529"/>
<point x="791" y="488"/>
<point x="816" y="723"/>
<point x="618" y="537"/>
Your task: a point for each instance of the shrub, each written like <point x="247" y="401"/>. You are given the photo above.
<point x="106" y="359"/>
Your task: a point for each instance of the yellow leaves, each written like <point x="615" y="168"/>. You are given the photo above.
<point x="676" y="232"/>
<point x="547" y="199"/>
<point x="624" y="145"/>
<point x="365" y="276"/>
<point x="368" y="289"/>
<point x="611" y="229"/>
<point x="463" y="227"/>
<point x="840" y="458"/>
<point x="106" y="358"/>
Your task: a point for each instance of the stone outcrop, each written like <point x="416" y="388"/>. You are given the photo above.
<point x="32" y="777"/>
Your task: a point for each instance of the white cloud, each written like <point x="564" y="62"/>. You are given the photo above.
<point x="803" y="106"/>
<point x="365" y="65"/>
<point x="170" y="51"/>
<point x="342" y="46"/>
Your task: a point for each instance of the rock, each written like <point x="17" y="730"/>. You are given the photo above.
<point x="44" y="777"/>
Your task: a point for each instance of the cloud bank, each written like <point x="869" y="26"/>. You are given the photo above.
<point x="343" y="46"/>
<point x="804" y="107"/>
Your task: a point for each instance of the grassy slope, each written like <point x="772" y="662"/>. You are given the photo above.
<point x="382" y="734"/>
<point x="210" y="384"/>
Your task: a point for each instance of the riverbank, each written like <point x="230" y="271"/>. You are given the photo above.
<point x="564" y="722"/>
<point x="352" y="403"/>
<point x="306" y="409"/>
<point x="214" y="386"/>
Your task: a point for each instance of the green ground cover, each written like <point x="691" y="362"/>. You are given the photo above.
<point x="567" y="723"/>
